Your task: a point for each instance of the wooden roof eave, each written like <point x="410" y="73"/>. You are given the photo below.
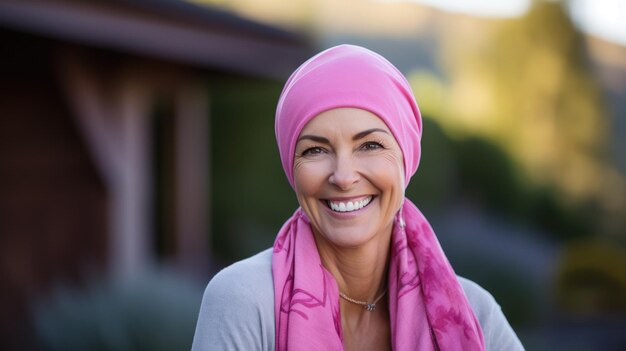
<point x="218" y="41"/>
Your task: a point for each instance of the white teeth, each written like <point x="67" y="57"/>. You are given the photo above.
<point x="349" y="206"/>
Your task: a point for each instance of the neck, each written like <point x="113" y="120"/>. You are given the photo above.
<point x="360" y="272"/>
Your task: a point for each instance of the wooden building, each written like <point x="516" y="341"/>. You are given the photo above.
<point x="104" y="136"/>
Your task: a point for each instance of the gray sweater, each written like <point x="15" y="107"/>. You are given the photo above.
<point x="237" y="311"/>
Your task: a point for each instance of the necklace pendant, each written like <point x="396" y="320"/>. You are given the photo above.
<point x="370" y="307"/>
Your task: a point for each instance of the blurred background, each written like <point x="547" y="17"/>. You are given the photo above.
<point x="137" y="156"/>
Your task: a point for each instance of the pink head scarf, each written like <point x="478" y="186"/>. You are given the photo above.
<point x="428" y="309"/>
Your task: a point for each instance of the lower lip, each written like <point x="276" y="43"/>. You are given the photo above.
<point x="348" y="215"/>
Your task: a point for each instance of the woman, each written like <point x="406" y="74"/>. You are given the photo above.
<point x="357" y="267"/>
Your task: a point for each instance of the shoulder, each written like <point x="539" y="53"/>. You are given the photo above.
<point x="238" y="278"/>
<point x="237" y="310"/>
<point x="481" y="300"/>
<point x="497" y="331"/>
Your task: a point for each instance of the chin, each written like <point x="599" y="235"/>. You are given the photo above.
<point x="346" y="238"/>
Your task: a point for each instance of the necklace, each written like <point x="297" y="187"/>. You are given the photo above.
<point x="368" y="306"/>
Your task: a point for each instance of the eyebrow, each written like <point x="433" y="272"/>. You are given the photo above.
<point x="357" y="136"/>
<point x="315" y="138"/>
<point x="364" y="133"/>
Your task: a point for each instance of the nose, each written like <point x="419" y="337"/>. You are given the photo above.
<point x="344" y="173"/>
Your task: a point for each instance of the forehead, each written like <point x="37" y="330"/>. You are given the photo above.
<point x="346" y="119"/>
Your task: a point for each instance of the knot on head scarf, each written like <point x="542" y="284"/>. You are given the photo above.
<point x="348" y="76"/>
<point x="428" y="309"/>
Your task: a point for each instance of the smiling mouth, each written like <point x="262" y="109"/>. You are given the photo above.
<point x="348" y="206"/>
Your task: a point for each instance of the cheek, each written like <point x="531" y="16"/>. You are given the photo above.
<point x="387" y="169"/>
<point x="309" y="177"/>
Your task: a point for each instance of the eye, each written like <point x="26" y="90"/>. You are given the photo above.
<point x="371" y="145"/>
<point x="316" y="150"/>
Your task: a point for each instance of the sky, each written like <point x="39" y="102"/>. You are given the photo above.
<point x="488" y="8"/>
<point x="602" y="18"/>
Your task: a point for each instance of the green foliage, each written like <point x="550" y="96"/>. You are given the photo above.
<point x="251" y="195"/>
<point x="592" y="278"/>
<point x="487" y="174"/>
<point x="154" y="312"/>
<point x="478" y="169"/>
<point x="433" y="186"/>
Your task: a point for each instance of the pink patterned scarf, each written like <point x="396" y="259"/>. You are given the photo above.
<point x="428" y="308"/>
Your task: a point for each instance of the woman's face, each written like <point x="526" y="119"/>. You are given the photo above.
<point x="349" y="176"/>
